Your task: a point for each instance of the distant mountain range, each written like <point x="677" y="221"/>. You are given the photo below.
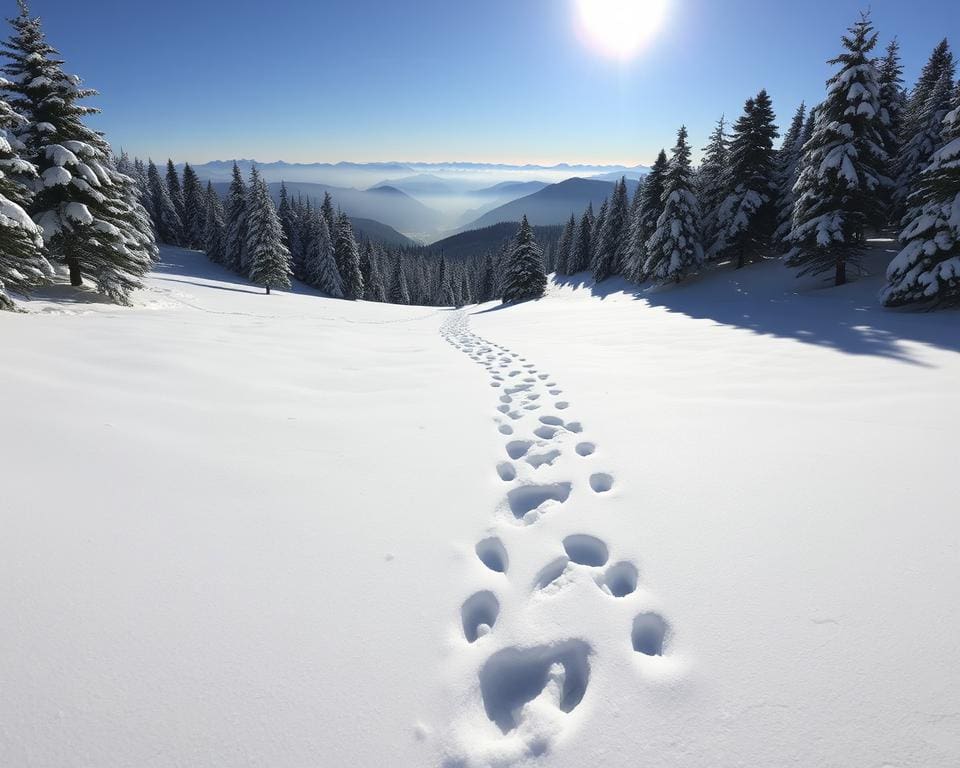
<point x="387" y="205"/>
<point x="424" y="201"/>
<point x="489" y="239"/>
<point x="367" y="210"/>
<point x="378" y="232"/>
<point x="552" y="204"/>
<point x="512" y="189"/>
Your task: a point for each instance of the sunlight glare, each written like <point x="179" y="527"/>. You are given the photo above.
<point x="620" y="28"/>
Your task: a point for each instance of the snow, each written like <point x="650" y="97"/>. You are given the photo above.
<point x="261" y="531"/>
<point x="55" y="176"/>
<point x="12" y="215"/>
<point x="58" y="154"/>
<point x="77" y="213"/>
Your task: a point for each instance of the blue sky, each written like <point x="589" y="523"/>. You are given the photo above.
<point x="443" y="80"/>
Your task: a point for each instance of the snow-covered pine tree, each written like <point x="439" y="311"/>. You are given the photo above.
<point x="176" y="193"/>
<point x="645" y="219"/>
<point x="840" y="189"/>
<point x="674" y="249"/>
<point x="22" y="263"/>
<point x="214" y="233"/>
<point x="235" y="242"/>
<point x="613" y="237"/>
<point x="524" y="277"/>
<point x="348" y="259"/>
<point x="326" y="208"/>
<point x="596" y="232"/>
<point x="788" y="170"/>
<point x="914" y="115"/>
<point x="487" y="287"/>
<point x="919" y="148"/>
<point x="920" y="134"/>
<point x="137" y="195"/>
<point x="927" y="271"/>
<point x="374" y="289"/>
<point x="195" y="209"/>
<point x="165" y="219"/>
<point x="565" y="245"/>
<point x="579" y="259"/>
<point x="269" y="259"/>
<point x="366" y="267"/>
<point x="465" y="295"/>
<point x="892" y="98"/>
<point x="82" y="203"/>
<point x="320" y="263"/>
<point x="712" y="179"/>
<point x="141" y="225"/>
<point x="746" y="218"/>
<point x="291" y="231"/>
<point x="143" y="188"/>
<point x="399" y="291"/>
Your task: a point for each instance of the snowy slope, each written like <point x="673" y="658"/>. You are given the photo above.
<point x="264" y="531"/>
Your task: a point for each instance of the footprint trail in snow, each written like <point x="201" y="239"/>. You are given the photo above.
<point x="527" y="691"/>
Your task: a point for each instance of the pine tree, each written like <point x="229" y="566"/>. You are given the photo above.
<point x="524" y="278"/>
<point x="675" y="249"/>
<point x="580" y="250"/>
<point x="214" y="233"/>
<point x="291" y="231"/>
<point x="596" y="231"/>
<point x="399" y="291"/>
<point x="841" y="182"/>
<point x="613" y="241"/>
<point x="82" y="203"/>
<point x="487" y="289"/>
<point x="565" y="246"/>
<point x="712" y="179"/>
<point x="166" y="221"/>
<point x="137" y="197"/>
<point x="920" y="133"/>
<point x="374" y="289"/>
<point x="176" y="193"/>
<point x="788" y="171"/>
<point x="329" y="214"/>
<point x="644" y="223"/>
<point x="269" y="259"/>
<point x="916" y="152"/>
<point x="348" y="259"/>
<point x="195" y="209"/>
<point x="22" y="263"/>
<point x="892" y="97"/>
<point x="927" y="271"/>
<point x="914" y="115"/>
<point x="747" y="216"/>
<point x="366" y="265"/>
<point x="143" y="187"/>
<point x="320" y="263"/>
<point x="235" y="243"/>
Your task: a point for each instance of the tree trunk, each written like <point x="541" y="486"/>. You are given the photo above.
<point x="841" y="277"/>
<point x="268" y="290"/>
<point x="740" y="259"/>
<point x="76" y="276"/>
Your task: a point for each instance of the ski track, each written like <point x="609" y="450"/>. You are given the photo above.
<point x="528" y="692"/>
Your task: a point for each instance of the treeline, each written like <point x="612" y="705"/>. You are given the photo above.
<point x="300" y="238"/>
<point x="62" y="199"/>
<point x="871" y="156"/>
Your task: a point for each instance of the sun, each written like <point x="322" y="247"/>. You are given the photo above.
<point x="620" y="28"/>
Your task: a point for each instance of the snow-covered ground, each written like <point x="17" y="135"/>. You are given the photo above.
<point x="287" y="531"/>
